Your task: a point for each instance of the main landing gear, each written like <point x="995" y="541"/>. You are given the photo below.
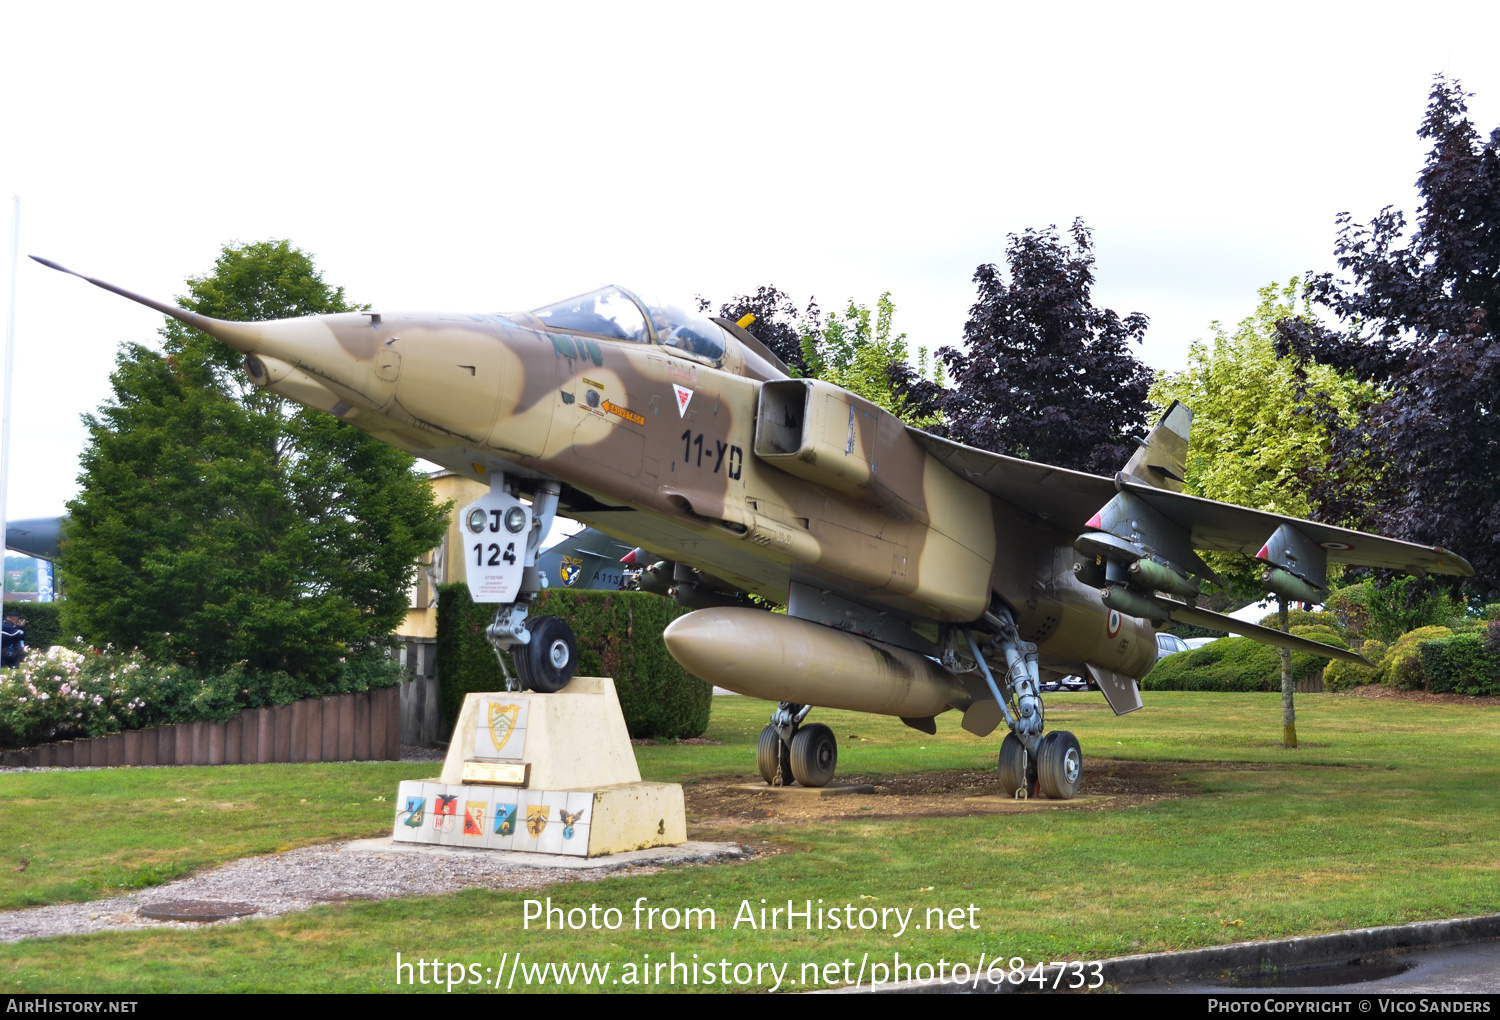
<point x="1031" y="762"/>
<point x="789" y="750"/>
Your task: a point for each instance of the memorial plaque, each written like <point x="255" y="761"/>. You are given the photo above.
<point x="497" y="773"/>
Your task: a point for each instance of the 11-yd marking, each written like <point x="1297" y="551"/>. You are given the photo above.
<point x="692" y="441"/>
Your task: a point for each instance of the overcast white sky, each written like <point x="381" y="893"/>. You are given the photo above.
<point x="498" y="156"/>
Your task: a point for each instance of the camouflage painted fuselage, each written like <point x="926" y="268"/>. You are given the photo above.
<point x="659" y="449"/>
<point x="695" y="445"/>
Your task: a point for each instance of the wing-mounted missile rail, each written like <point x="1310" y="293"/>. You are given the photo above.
<point x="1296" y="566"/>
<point x="1132" y="552"/>
<point x="1134" y="557"/>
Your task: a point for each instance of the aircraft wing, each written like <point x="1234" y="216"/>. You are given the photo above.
<point x="1061" y="496"/>
<point x="1067" y="499"/>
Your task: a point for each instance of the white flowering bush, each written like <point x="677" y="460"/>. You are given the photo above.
<point x="57" y="694"/>
<point x="60" y="694"/>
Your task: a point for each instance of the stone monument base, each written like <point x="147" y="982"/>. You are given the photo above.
<point x="544" y="773"/>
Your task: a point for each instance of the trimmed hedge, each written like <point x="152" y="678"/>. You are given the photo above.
<point x="43" y="622"/>
<point x="1460" y="664"/>
<point x="1232" y="664"/>
<point x="1350" y="605"/>
<point x="619" y="636"/>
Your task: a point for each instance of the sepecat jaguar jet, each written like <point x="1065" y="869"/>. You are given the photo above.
<point x="919" y="575"/>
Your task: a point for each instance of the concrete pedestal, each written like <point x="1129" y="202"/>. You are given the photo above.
<point x="571" y="781"/>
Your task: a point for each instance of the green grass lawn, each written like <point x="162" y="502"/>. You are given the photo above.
<point x="88" y="834"/>
<point x="1386" y="814"/>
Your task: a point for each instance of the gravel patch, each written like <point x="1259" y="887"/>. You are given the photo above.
<point x="295" y="880"/>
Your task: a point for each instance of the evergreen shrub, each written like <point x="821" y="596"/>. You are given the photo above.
<point x="1341" y="676"/>
<point x="1405" y="605"/>
<point x="1230" y="664"/>
<point x="1302" y="618"/>
<point x="1350" y="605"/>
<point x="1460" y="664"/>
<point x="1402" y="666"/>
<point x="619" y="636"/>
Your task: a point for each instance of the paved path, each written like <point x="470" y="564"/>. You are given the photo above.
<point x="1456" y="970"/>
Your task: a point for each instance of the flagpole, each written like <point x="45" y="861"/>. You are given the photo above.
<point x="10" y="359"/>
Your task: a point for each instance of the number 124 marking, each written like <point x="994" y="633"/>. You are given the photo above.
<point x="496" y="556"/>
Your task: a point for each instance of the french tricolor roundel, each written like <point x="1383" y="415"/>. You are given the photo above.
<point x="684" y="397"/>
<point x="1113" y="626"/>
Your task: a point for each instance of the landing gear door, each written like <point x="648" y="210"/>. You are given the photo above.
<point x="495" y="527"/>
<point x="1122" y="692"/>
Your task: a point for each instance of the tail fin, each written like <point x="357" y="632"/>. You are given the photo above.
<point x="1161" y="459"/>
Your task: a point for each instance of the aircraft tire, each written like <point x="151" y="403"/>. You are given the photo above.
<point x="1059" y="764"/>
<point x="1013" y="767"/>
<point x="815" y="755"/>
<point x="770" y="748"/>
<point x="551" y="656"/>
<point x="523" y="670"/>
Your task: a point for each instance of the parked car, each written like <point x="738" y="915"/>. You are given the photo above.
<point x="1169" y="644"/>
<point x="1166" y="644"/>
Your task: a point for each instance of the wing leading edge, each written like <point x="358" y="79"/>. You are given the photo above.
<point x="1068" y="499"/>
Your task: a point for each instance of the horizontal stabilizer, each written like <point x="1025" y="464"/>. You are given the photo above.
<point x="1179" y="612"/>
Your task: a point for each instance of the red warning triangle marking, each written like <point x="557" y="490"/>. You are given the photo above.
<point x="684" y="397"/>
<point x="1094" y="521"/>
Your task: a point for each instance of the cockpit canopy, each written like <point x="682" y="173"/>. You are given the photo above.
<point x="614" y="313"/>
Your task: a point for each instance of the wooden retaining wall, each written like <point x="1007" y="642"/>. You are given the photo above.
<point x="340" y="727"/>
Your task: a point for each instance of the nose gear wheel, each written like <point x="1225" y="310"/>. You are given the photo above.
<point x="548" y="661"/>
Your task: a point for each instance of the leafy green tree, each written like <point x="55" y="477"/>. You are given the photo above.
<point x="1250" y="444"/>
<point x="219" y="523"/>
<point x="855" y="349"/>
<point x="853" y="352"/>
